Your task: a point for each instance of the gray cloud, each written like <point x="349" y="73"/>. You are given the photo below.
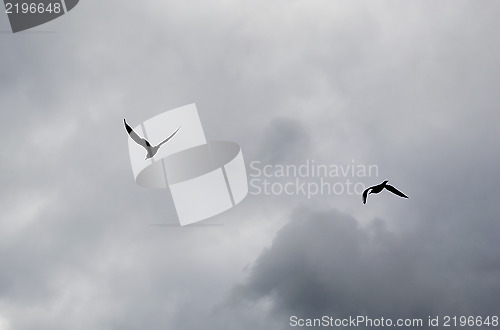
<point x="284" y="141"/>
<point x="408" y="86"/>
<point x="326" y="263"/>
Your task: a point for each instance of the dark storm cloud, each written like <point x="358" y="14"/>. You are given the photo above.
<point x="326" y="263"/>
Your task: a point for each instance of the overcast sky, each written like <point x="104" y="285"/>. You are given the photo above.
<point x="409" y="86"/>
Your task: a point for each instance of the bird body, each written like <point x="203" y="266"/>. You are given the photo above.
<point x="151" y="150"/>
<point x="378" y="188"/>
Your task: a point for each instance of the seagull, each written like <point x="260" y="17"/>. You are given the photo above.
<point x="378" y="188"/>
<point x="152" y="150"/>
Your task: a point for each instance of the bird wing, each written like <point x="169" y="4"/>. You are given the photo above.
<point x="140" y="141"/>
<point x="171" y="136"/>
<point x="395" y="191"/>
<point x="365" y="195"/>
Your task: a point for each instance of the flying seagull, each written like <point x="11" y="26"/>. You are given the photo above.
<point x="152" y="150"/>
<point x="378" y="188"/>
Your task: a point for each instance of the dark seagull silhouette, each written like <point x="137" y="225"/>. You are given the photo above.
<point x="152" y="150"/>
<point x="378" y="188"/>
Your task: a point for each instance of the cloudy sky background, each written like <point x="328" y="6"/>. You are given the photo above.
<point x="410" y="87"/>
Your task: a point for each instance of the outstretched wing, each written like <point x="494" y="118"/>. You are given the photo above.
<point x="140" y="141"/>
<point x="365" y="195"/>
<point x="171" y="136"/>
<point x="395" y="191"/>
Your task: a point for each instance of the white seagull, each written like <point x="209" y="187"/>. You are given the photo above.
<point x="151" y="150"/>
